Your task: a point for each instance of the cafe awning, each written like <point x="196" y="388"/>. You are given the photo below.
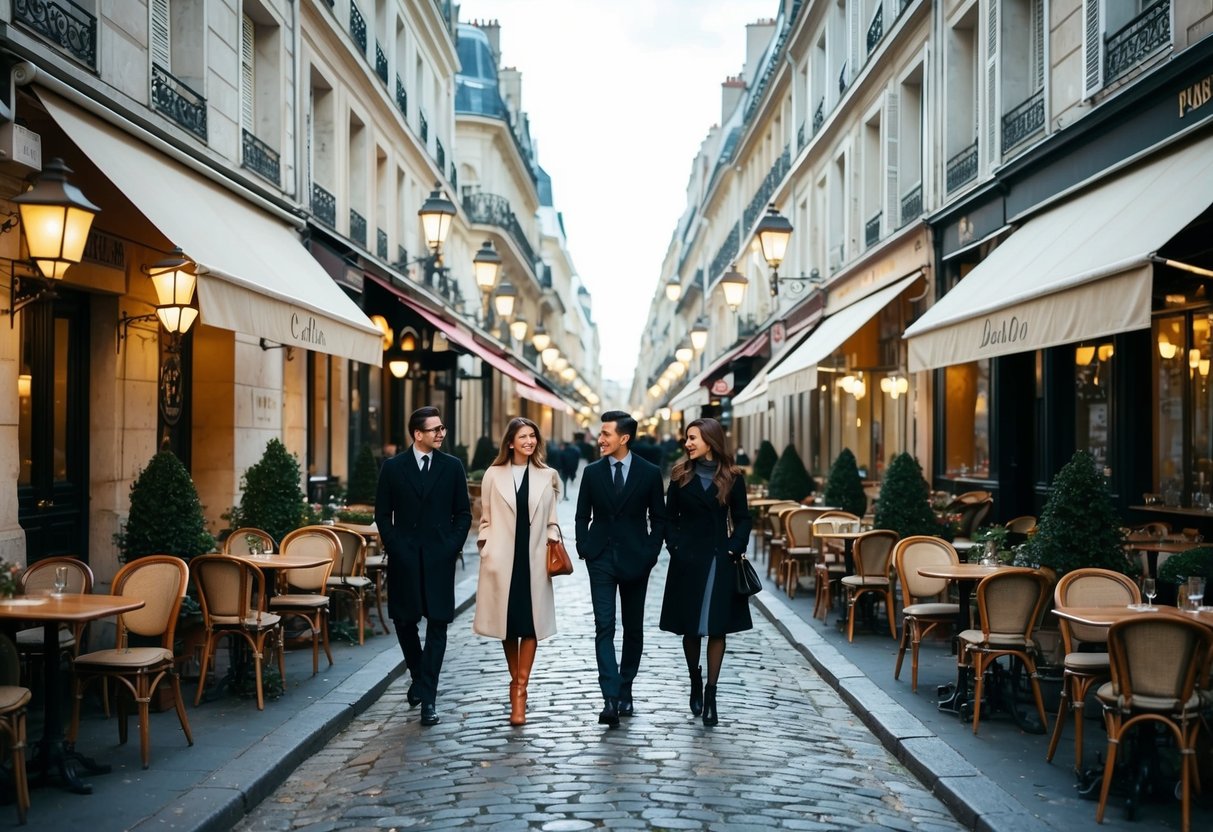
<point x="254" y="274"/>
<point x="1080" y="270"/>
<point x="753" y="398"/>
<point x="798" y="372"/>
<point x="697" y="391"/>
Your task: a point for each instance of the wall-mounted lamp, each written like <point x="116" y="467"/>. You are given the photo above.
<point x="436" y="214"/>
<point x="1166" y="349"/>
<point x="773" y="232"/>
<point x="540" y="339"/>
<point x="398" y="367"/>
<point x="518" y="328"/>
<point x="174" y="279"/>
<point x="685" y="352"/>
<point x="1083" y="356"/>
<point x="503" y="301"/>
<point x="895" y="386"/>
<point x="699" y="334"/>
<point x="854" y="384"/>
<point x="733" y="285"/>
<point x="673" y="289"/>
<point x="384" y="327"/>
<point x="549" y="356"/>
<point x="486" y="266"/>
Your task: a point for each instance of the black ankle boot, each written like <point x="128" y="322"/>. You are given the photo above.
<point x="709" y="705"/>
<point x="697" y="691"/>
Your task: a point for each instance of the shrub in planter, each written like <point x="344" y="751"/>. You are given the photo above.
<point x="364" y="477"/>
<point x="1194" y="563"/>
<point x="485" y="453"/>
<point x="165" y="516"/>
<point x="789" y="479"/>
<point x="1079" y="526"/>
<point x="905" y="500"/>
<point x="844" y="489"/>
<point x="460" y="452"/>
<point x="764" y="460"/>
<point x="273" y="499"/>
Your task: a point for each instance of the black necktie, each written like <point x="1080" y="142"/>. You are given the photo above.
<point x="618" y="477"/>
<point x="425" y="464"/>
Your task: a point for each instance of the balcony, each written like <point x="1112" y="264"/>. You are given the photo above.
<point x="491" y="209"/>
<point x="402" y="257"/>
<point x="64" y="24"/>
<point x="763" y="195"/>
<point x="726" y="253"/>
<point x="876" y="28"/>
<point x="871" y="230"/>
<point x="454" y="177"/>
<point x="380" y="243"/>
<point x="402" y="98"/>
<point x="1023" y="121"/>
<point x="800" y="137"/>
<point x="260" y="158"/>
<point x="819" y="114"/>
<point x="439" y="154"/>
<point x="357" y="228"/>
<point x="747" y="326"/>
<point x="358" y="27"/>
<point x="1137" y="40"/>
<point x="324" y="206"/>
<point x="380" y="63"/>
<point x="962" y="167"/>
<point x="425" y="129"/>
<point x="177" y="101"/>
<point x="842" y="79"/>
<point x="911" y="204"/>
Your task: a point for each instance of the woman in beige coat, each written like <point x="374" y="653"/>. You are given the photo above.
<point x="514" y="598"/>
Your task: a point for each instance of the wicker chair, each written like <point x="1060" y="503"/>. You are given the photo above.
<point x="304" y="592"/>
<point x="1085" y="588"/>
<point x="776" y="542"/>
<point x="349" y="575"/>
<point x="799" y="552"/>
<point x="921" y="615"/>
<point x="242" y="542"/>
<point x="1157" y="663"/>
<point x="830" y="566"/>
<point x="40" y="578"/>
<point x="873" y="576"/>
<point x="13" y="702"/>
<point x="1009" y="604"/>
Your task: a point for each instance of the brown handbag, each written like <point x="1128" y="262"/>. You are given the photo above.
<point x="559" y="562"/>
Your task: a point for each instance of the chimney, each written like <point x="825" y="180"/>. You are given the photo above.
<point x="757" y="37"/>
<point x="493" y="29"/>
<point x="509" y="83"/>
<point x="731" y="93"/>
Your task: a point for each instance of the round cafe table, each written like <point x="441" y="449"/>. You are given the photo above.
<point x="1153" y="547"/>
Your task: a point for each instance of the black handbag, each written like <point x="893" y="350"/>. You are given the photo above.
<point x="747" y="578"/>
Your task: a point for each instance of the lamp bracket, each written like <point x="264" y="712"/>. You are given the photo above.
<point x="799" y="284"/>
<point x="25" y="289"/>
<point x="124" y="323"/>
<point x="290" y="351"/>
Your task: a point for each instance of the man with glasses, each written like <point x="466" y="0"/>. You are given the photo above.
<point x="423" y="514"/>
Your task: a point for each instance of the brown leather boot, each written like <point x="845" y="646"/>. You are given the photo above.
<point x="526" y="658"/>
<point x="510" y="646"/>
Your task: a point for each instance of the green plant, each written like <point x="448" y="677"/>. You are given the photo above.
<point x="844" y="489"/>
<point x="476" y="475"/>
<point x="364" y="478"/>
<point x="789" y="479"/>
<point x="10" y="578"/>
<point x="460" y="452"/>
<point x="754" y="479"/>
<point x="272" y="498"/>
<point x="1179" y="567"/>
<point x="764" y="460"/>
<point x="1079" y="526"/>
<point x="165" y="515"/>
<point x="363" y="518"/>
<point x="485" y="453"/>
<point x="904" y="505"/>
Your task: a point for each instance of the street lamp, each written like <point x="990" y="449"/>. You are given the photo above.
<point x="773" y="232"/>
<point x="684" y="352"/>
<point x="436" y="214"/>
<point x="733" y="283"/>
<point x="503" y="301"/>
<point x="518" y="328"/>
<point x="673" y="289"/>
<point x="549" y="356"/>
<point x="173" y="277"/>
<point x="540" y="339"/>
<point x="699" y="334"/>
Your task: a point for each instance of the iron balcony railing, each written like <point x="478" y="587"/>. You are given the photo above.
<point x="491" y="209"/>
<point x="358" y="27"/>
<point x="1023" y="121"/>
<point x="357" y="228"/>
<point x="454" y="176"/>
<point x="402" y="98"/>
<point x="64" y="24"/>
<point x="380" y="243"/>
<point x="402" y="256"/>
<point x="439" y="154"/>
<point x="962" y="167"/>
<point x="819" y="115"/>
<point x="425" y="128"/>
<point x="871" y="230"/>
<point x="876" y="28"/>
<point x="800" y="137"/>
<point x="545" y="277"/>
<point x="911" y="204"/>
<point x="763" y="195"/>
<point x="380" y="63"/>
<point x="727" y="252"/>
<point x="747" y="326"/>
<point x="324" y="206"/>
<point x="842" y="79"/>
<point x="176" y="100"/>
<point x="260" y="158"/>
<point x="1137" y="40"/>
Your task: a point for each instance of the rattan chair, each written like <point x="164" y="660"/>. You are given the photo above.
<point x="14" y="700"/>
<point x="159" y="581"/>
<point x="972" y="515"/>
<point x="248" y="541"/>
<point x="1082" y="669"/>
<point x="38" y="579"/>
<point x="375" y="564"/>
<point x="1009" y="603"/>
<point x="873" y="555"/>
<point x="232" y="595"/>
<point x="799" y="553"/>
<point x="1157" y="663"/>
<point x="349" y="575"/>
<point x="829" y="566"/>
<point x="921" y="615"/>
<point x="305" y="591"/>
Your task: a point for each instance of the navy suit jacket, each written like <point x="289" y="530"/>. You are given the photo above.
<point x="632" y="522"/>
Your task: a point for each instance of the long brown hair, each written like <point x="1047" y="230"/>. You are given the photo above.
<point x="505" y="454"/>
<point x="713" y="436"/>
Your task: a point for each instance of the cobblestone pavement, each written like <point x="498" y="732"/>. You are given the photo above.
<point x="786" y="754"/>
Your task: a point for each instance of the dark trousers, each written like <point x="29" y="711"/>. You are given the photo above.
<point x="424" y="664"/>
<point x="615" y="679"/>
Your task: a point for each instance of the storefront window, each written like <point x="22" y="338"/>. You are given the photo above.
<point x="1171" y="370"/>
<point x="1093" y="380"/>
<point x="967" y="420"/>
<point x="1202" y="410"/>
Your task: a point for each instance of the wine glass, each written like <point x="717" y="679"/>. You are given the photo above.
<point x="1196" y="593"/>
<point x="60" y="579"/>
<point x="1149" y="589"/>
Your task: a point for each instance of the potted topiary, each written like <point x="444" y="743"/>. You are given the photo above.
<point x="1079" y="526"/>
<point x="905" y="500"/>
<point x="843" y="488"/>
<point x="272" y="498"/>
<point x="764" y="461"/>
<point x="485" y="453"/>
<point x="165" y="515"/>
<point x="1175" y="571"/>
<point x="364" y="478"/>
<point x="789" y="479"/>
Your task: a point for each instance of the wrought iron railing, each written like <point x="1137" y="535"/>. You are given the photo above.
<point x="491" y="209"/>
<point x="800" y="138"/>
<point x="177" y="101"/>
<point x="402" y="98"/>
<point x="819" y="115"/>
<point x="545" y="277"/>
<point x="772" y="65"/>
<point x="324" y="206"/>
<point x="876" y="28"/>
<point x="357" y="228"/>
<point x="380" y="243"/>
<point x="871" y="230"/>
<point x="358" y="27"/>
<point x="64" y="24"/>
<point x="842" y="79"/>
<point x="962" y="167"/>
<point x="1023" y="121"/>
<point x="911" y="204"/>
<point x="402" y="256"/>
<point x="439" y="154"/>
<point x="1136" y="40"/>
<point x="380" y="63"/>
<point x="260" y="158"/>
<point x="836" y="256"/>
<point x="763" y="195"/>
<point x="727" y="252"/>
<point x="454" y="176"/>
<point x="747" y="326"/>
<point x="425" y="128"/>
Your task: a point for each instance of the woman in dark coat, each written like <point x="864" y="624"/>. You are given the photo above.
<point x="707" y="494"/>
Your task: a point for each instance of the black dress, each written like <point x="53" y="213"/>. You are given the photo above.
<point x="519" y="617"/>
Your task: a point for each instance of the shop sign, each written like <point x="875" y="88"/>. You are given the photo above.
<point x="1195" y="96"/>
<point x="722" y="386"/>
<point x="905" y="257"/>
<point x="104" y="250"/>
<point x="779" y="334"/>
<point x="172" y="396"/>
<point x="996" y="331"/>
<point x="307" y="330"/>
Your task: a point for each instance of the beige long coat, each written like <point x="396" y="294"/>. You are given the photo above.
<point x="496" y="541"/>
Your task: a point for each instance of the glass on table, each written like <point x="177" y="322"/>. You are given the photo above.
<point x="60" y="584"/>
<point x="1196" y="593"/>
<point x="1149" y="588"/>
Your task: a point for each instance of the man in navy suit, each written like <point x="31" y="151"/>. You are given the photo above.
<point x="423" y="514"/>
<point x="620" y="528"/>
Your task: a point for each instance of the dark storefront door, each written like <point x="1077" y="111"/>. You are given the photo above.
<point x="52" y="388"/>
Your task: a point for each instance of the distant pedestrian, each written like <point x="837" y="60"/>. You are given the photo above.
<point x="620" y="528"/>
<point x="570" y="461"/>
<point x="423" y="514"/>
<point x="514" y="600"/>
<point x="742" y="459"/>
<point x="706" y="493"/>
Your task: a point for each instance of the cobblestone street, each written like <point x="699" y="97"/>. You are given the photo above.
<point x="786" y="753"/>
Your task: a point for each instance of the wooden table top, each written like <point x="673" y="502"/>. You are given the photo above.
<point x="369" y="529"/>
<point x="961" y="571"/>
<point x="67" y="607"/>
<point x="763" y="502"/>
<point x="1167" y="546"/>
<point x="1107" y="616"/>
<point x="838" y="535"/>
<point x="283" y="561"/>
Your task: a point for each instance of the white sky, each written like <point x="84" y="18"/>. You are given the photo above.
<point x="620" y="95"/>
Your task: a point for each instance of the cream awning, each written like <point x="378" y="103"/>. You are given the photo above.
<point x="694" y="394"/>
<point x="1080" y="270"/>
<point x="255" y="276"/>
<point x="753" y="399"/>
<point x="798" y="372"/>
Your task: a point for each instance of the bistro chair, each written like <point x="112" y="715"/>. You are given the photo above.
<point x="1009" y="604"/>
<point x="349" y="575"/>
<point x="769" y="535"/>
<point x="248" y="541"/>
<point x="1019" y="528"/>
<point x="1082" y="669"/>
<point x="1157" y="663"/>
<point x="304" y="590"/>
<point x="799" y="552"/>
<point x="232" y="595"/>
<point x="830" y="565"/>
<point x="972" y="515"/>
<point x="923" y="611"/>
<point x="13" y="702"/>
<point x="159" y="581"/>
<point x="873" y="576"/>
<point x="39" y="579"/>
<point x="776" y="541"/>
<point x="376" y="569"/>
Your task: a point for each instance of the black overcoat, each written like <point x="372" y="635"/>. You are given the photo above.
<point x="697" y="534"/>
<point x="423" y="526"/>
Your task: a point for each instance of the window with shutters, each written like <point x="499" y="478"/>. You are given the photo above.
<point x="960" y="92"/>
<point x="322" y="149"/>
<point x="358" y="160"/>
<point x="178" y="63"/>
<point x="262" y="117"/>
<point x="872" y="181"/>
<point x="909" y="147"/>
<point x="1121" y="35"/>
<point x="1021" y="58"/>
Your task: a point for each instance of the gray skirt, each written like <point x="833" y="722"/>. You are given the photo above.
<point x="706" y="606"/>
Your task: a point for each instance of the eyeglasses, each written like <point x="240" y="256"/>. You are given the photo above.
<point x="439" y="429"/>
